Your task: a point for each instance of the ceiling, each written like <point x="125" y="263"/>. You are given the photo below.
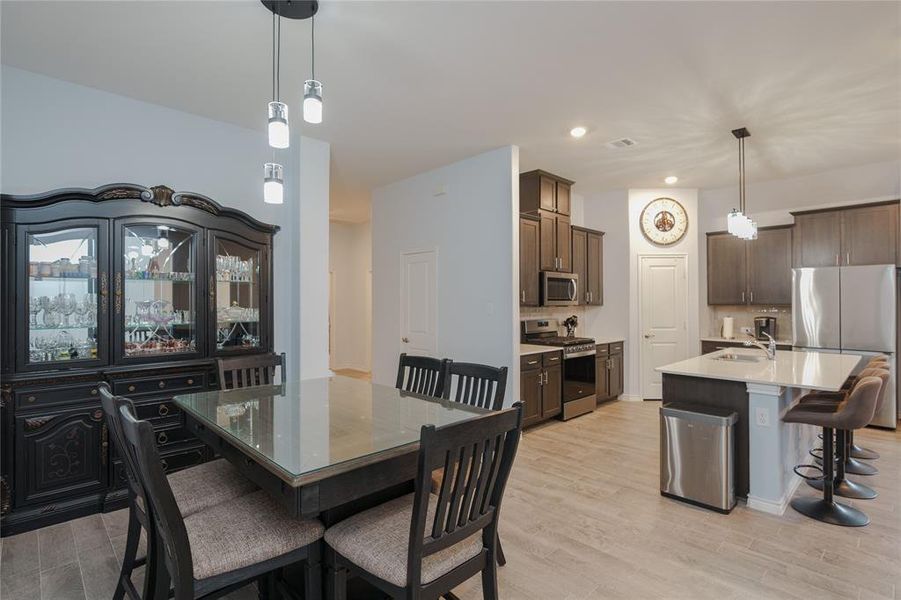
<point x="410" y="86"/>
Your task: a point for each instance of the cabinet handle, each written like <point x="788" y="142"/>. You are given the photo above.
<point x="541" y="378"/>
<point x="118" y="292"/>
<point x="545" y="377"/>
<point x="131" y="388"/>
<point x="104" y="444"/>
<point x="93" y="391"/>
<point x="163" y="410"/>
<point x="190" y="382"/>
<point x="522" y="296"/>
<point x="743" y="297"/>
<point x="164" y="464"/>
<point x="532" y="362"/>
<point x="752" y="297"/>
<point x="553" y="358"/>
<point x="837" y="260"/>
<point x="162" y="438"/>
<point x="212" y="292"/>
<point x="104" y="293"/>
<point x="847" y="258"/>
<point x="31" y="398"/>
<point x="161" y="385"/>
<point x="98" y="414"/>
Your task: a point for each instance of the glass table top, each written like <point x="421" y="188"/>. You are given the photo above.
<point x="302" y="427"/>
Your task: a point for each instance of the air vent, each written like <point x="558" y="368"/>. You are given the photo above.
<point x="621" y="143"/>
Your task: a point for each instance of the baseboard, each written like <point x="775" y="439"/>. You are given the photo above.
<point x="630" y="398"/>
<point x="775" y="508"/>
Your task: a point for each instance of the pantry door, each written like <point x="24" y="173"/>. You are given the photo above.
<point x="663" y="292"/>
<point x="419" y="303"/>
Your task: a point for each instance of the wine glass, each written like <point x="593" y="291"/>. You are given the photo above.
<point x="34" y="307"/>
<point x="67" y="304"/>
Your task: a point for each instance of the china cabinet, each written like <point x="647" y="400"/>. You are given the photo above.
<point x="142" y="288"/>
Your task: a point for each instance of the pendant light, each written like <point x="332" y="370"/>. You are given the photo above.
<point x="737" y="222"/>
<point x="312" y="89"/>
<point x="279" y="135"/>
<point x="273" y="184"/>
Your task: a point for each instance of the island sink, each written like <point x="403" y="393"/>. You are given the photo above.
<point x="731" y="356"/>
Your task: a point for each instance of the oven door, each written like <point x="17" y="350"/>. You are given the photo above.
<point x="579" y="377"/>
<point x="559" y="289"/>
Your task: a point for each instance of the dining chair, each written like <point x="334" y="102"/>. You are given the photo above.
<point x="421" y="375"/>
<point x="476" y="385"/>
<point x="195" y="489"/>
<point x="422" y="545"/>
<point x="215" y="551"/>
<point x="246" y="371"/>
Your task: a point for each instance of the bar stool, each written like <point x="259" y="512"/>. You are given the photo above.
<point x="845" y="487"/>
<point x="852" y="413"/>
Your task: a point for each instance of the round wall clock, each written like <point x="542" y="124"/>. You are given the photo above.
<point x="664" y="221"/>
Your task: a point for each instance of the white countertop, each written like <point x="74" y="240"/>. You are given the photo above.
<point x="807" y="370"/>
<point x="737" y="339"/>
<point x="526" y="349"/>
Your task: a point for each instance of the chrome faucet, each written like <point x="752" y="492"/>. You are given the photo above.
<point x="770" y="348"/>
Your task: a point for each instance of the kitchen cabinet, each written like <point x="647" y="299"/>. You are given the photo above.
<point x="141" y="288"/>
<point x="564" y="244"/>
<point x="609" y="371"/>
<point x="540" y="190"/>
<point x="541" y="386"/>
<point x="529" y="260"/>
<point x="555" y="242"/>
<point x="588" y="264"/>
<point x="755" y="272"/>
<point x="857" y="235"/>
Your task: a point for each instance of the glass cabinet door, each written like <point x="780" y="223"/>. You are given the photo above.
<point x="156" y="290"/>
<point x="237" y="288"/>
<point x="65" y="303"/>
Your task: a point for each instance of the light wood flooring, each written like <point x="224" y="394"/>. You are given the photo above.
<point x="364" y="375"/>
<point x="582" y="518"/>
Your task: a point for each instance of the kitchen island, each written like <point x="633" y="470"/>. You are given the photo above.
<point x="760" y="390"/>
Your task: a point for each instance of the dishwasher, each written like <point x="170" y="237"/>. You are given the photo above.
<point x="697" y="455"/>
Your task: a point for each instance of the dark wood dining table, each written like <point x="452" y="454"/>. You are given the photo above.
<point x="325" y="447"/>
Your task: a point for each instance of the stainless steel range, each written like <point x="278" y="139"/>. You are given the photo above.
<point x="579" y="375"/>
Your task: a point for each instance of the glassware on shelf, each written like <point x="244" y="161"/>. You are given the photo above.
<point x="66" y="305"/>
<point x="34" y="307"/>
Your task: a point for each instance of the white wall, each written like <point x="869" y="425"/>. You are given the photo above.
<point x="350" y="263"/>
<point x="474" y="227"/>
<point x="639" y="245"/>
<point x="56" y="134"/>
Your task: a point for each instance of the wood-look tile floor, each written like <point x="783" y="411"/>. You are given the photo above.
<point x="582" y="518"/>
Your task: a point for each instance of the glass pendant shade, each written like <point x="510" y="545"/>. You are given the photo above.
<point x="734" y="222"/>
<point x="273" y="184"/>
<point x="278" y="125"/>
<point x="312" y="101"/>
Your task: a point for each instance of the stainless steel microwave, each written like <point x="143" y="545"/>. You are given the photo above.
<point x="559" y="289"/>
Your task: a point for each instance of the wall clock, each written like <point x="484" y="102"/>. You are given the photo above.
<point x="664" y="221"/>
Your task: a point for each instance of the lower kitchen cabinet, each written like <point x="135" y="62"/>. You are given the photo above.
<point x="541" y="386"/>
<point x="609" y="371"/>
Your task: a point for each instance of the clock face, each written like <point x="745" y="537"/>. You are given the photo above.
<point x="664" y="221"/>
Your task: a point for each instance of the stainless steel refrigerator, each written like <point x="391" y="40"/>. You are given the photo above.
<point x="849" y="310"/>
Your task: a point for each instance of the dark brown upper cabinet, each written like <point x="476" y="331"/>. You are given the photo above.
<point x="756" y="272"/>
<point x="540" y="190"/>
<point x="588" y="264"/>
<point x="529" y="257"/>
<point x="860" y="235"/>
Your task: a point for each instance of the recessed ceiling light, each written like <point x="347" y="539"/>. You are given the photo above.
<point x="671" y="179"/>
<point x="578" y="132"/>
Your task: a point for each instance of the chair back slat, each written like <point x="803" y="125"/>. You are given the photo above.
<point x="247" y="371"/>
<point x="421" y="375"/>
<point x="477" y="456"/>
<point x="475" y="385"/>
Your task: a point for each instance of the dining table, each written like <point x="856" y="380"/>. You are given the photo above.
<point x="326" y="447"/>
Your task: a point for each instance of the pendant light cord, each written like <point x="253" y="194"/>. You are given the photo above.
<point x="313" y="47"/>
<point x="276" y="56"/>
<point x="741" y="174"/>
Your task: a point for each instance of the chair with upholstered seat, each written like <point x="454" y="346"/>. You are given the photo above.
<point x="195" y="489"/>
<point x="220" y="549"/>
<point x="854" y="412"/>
<point x="421" y="375"/>
<point x="423" y="545"/>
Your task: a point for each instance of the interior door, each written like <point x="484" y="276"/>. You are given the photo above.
<point x="664" y="300"/>
<point x="419" y="303"/>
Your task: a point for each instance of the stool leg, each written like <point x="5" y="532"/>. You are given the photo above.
<point x="826" y="509"/>
<point x="845" y="487"/>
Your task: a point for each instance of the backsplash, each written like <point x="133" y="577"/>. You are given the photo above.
<point x="555" y="312"/>
<point x="744" y="317"/>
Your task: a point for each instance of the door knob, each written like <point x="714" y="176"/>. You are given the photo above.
<point x="405" y="340"/>
<point x="648" y="336"/>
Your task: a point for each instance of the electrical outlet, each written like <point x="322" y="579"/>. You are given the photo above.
<point x="748" y="330"/>
<point x="762" y="416"/>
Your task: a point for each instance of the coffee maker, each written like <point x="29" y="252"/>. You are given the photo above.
<point x="764" y="325"/>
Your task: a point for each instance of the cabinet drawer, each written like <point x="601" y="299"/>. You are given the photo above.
<point x="170" y="436"/>
<point x="182" y="459"/>
<point x="163" y="384"/>
<point x="529" y="362"/>
<point x="67" y="394"/>
<point x="602" y="349"/>
<point x="616" y="348"/>
<point x="552" y="358"/>
<point x="159" y="411"/>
